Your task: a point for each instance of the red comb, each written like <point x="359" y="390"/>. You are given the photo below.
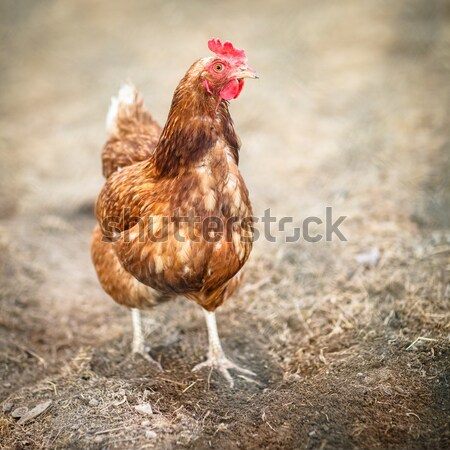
<point x="227" y="51"/>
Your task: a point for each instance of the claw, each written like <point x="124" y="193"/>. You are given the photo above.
<point x="216" y="357"/>
<point x="223" y="365"/>
<point x="143" y="353"/>
<point x="138" y="346"/>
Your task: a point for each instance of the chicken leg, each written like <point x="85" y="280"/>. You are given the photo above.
<point x="216" y="356"/>
<point x="138" y="346"/>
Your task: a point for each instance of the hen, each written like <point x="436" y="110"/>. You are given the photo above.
<point x="174" y="216"/>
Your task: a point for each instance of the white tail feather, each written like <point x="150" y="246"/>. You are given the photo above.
<point x="125" y="97"/>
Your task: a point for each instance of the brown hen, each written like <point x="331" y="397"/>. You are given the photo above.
<point x="174" y="215"/>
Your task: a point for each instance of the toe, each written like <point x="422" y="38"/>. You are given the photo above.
<point x="244" y="371"/>
<point x="148" y="358"/>
<point x="200" y="366"/>
<point x="227" y="376"/>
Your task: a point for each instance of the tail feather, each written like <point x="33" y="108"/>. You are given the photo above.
<point x="122" y="104"/>
<point x="133" y="133"/>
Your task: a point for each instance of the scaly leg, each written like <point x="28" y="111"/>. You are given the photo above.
<point x="138" y="346"/>
<point x="216" y="356"/>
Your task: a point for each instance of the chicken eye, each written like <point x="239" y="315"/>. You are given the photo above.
<point x="218" y="67"/>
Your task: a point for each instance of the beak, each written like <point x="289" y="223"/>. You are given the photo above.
<point x="246" y="72"/>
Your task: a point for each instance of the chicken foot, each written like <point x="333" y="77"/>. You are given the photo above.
<point x="138" y="346"/>
<point x="216" y="356"/>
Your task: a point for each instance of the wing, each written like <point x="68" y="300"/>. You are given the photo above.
<point x="128" y="195"/>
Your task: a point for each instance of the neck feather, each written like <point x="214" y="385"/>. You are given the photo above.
<point x="196" y="121"/>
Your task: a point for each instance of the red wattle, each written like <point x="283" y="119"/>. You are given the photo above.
<point x="232" y="89"/>
<point x="241" y="85"/>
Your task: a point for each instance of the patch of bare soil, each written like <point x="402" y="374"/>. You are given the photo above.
<point x="349" y="340"/>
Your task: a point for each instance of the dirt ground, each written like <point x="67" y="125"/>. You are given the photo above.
<point x="349" y="340"/>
